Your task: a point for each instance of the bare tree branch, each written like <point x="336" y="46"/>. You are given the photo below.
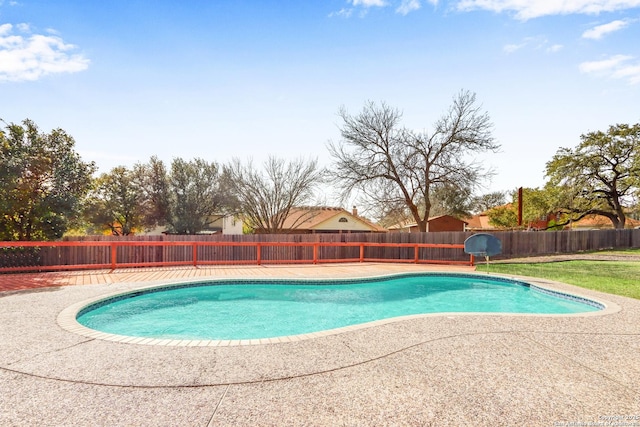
<point x="392" y="166"/>
<point x="267" y="198"/>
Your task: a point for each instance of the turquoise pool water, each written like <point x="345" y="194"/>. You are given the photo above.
<point x="250" y="310"/>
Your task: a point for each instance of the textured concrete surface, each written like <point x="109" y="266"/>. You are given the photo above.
<point x="449" y="369"/>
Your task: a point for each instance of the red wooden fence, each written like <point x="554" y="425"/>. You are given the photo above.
<point x="106" y="254"/>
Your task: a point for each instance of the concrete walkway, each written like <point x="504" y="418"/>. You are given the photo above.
<point x="449" y="369"/>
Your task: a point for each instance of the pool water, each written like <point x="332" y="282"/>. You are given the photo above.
<point x="249" y="310"/>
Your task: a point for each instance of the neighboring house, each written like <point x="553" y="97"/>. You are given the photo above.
<point x="225" y="224"/>
<point x="481" y="222"/>
<point x="434" y="224"/>
<point x="591" y="222"/>
<point x="321" y="219"/>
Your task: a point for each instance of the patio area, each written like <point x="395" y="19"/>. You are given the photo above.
<point x="446" y="369"/>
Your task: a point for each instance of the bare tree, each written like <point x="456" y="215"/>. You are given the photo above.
<point x="267" y="198"/>
<point x="395" y="168"/>
<point x="451" y="200"/>
<point x="487" y="201"/>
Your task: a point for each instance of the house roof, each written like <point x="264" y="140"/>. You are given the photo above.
<point x="599" y="221"/>
<point x="320" y="218"/>
<point x="402" y="224"/>
<point x="480" y="221"/>
<point x="410" y="223"/>
<point x="433" y="218"/>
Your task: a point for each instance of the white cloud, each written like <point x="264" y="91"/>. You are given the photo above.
<point x="605" y="64"/>
<point x="535" y="43"/>
<point x="403" y="8"/>
<point x="528" y="9"/>
<point x="510" y="48"/>
<point x="5" y="29"/>
<point x="342" y="13"/>
<point x="601" y="30"/>
<point x="555" y="48"/>
<point x="33" y="56"/>
<point x="362" y="5"/>
<point x="368" y="3"/>
<point x="408" y="6"/>
<point x="616" y="66"/>
<point x="629" y="72"/>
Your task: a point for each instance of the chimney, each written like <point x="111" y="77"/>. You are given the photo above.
<point x="520" y="199"/>
<point x="355" y="211"/>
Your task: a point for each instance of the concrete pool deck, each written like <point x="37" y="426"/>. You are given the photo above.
<point x="449" y="369"/>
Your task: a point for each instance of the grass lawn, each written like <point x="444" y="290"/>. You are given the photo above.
<point x="614" y="277"/>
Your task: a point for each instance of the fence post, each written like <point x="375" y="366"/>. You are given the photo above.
<point x="361" y="252"/>
<point x="195" y="254"/>
<point x="416" y="250"/>
<point x="258" y="254"/>
<point x="315" y="252"/>
<point x="114" y="255"/>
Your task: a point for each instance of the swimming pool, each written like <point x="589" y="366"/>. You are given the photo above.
<point x="247" y="310"/>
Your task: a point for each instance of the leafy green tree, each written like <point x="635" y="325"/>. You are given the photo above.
<point x="503" y="216"/>
<point x="152" y="179"/>
<point x="537" y="204"/>
<point x="186" y="199"/>
<point x="195" y="194"/>
<point x="600" y="176"/>
<point x="394" y="168"/>
<point x="42" y="182"/>
<point x="117" y="203"/>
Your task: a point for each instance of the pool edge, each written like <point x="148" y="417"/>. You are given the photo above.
<point x="67" y="318"/>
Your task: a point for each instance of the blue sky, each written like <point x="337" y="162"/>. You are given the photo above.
<point x="222" y="79"/>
